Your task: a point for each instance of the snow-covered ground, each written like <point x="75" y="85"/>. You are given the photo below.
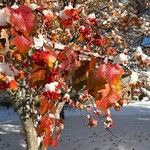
<point x="10" y="137"/>
<point x="131" y="126"/>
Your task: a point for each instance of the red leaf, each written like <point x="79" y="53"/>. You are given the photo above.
<point x="92" y="121"/>
<point x="55" y="140"/>
<point x="44" y="130"/>
<point x="44" y="125"/>
<point x="112" y="93"/>
<point x="67" y="59"/>
<point x="22" y="19"/>
<point x="110" y="72"/>
<point x="103" y="41"/>
<point x="22" y="44"/>
<point x="3" y="85"/>
<point x="47" y="140"/>
<point x="72" y="13"/>
<point x="44" y="57"/>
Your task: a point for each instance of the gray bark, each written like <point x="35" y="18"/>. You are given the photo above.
<point x="30" y="134"/>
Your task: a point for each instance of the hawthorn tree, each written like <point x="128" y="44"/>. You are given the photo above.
<point x="57" y="52"/>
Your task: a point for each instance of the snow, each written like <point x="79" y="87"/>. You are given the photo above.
<point x="68" y="7"/>
<point x="51" y="86"/>
<point x="14" y="6"/>
<point x="124" y="14"/>
<point x="59" y="46"/>
<point x="4" y="17"/>
<point x="92" y="16"/>
<point x="34" y="6"/>
<point x="134" y="77"/>
<point x="146" y="92"/>
<point x="140" y="53"/>
<point x="10" y="136"/>
<point x="8" y="70"/>
<point x="139" y="50"/>
<point x="131" y="126"/>
<point x="121" y="59"/>
<point x="39" y="41"/>
<point x="47" y="12"/>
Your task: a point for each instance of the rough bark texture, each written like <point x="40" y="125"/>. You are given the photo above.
<point x="30" y="134"/>
<point x="30" y="131"/>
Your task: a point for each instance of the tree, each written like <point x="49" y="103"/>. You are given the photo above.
<point x="57" y="52"/>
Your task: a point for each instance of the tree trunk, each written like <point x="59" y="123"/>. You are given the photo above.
<point x="30" y="134"/>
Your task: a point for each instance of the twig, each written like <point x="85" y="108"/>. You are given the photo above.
<point x="107" y="129"/>
<point x="111" y="132"/>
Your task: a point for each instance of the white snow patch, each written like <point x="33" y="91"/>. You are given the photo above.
<point x="33" y="6"/>
<point x="121" y="59"/>
<point x="92" y="16"/>
<point x="131" y="124"/>
<point x="39" y="41"/>
<point x="134" y="77"/>
<point x="4" y="16"/>
<point x="51" y="87"/>
<point x="59" y="46"/>
<point x="14" y="6"/>
<point x="8" y="70"/>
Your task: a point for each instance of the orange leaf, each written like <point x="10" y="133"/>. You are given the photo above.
<point x="111" y="51"/>
<point x="95" y="84"/>
<point x="44" y="125"/>
<point x="81" y="38"/>
<point x="92" y="64"/>
<point x="46" y="105"/>
<point x="22" y="44"/>
<point x="43" y="106"/>
<point x="37" y="77"/>
<point x="13" y="85"/>
<point x="50" y="60"/>
<point x="80" y="75"/>
<point x="17" y="56"/>
<point x="21" y="74"/>
<point x="108" y="99"/>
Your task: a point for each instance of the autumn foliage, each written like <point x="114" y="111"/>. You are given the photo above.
<point x="63" y="56"/>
